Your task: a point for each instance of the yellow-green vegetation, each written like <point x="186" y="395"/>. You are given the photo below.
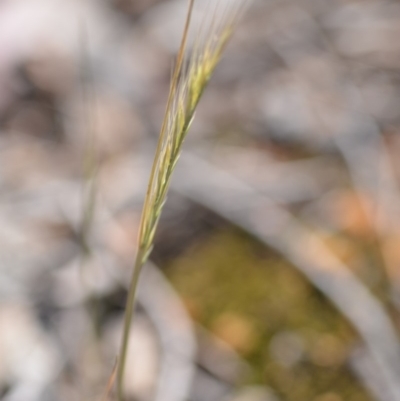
<point x="190" y="77"/>
<point x="296" y="342"/>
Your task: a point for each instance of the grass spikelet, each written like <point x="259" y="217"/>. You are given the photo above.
<point x="190" y="77"/>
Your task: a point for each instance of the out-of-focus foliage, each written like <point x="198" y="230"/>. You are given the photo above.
<point x="293" y="339"/>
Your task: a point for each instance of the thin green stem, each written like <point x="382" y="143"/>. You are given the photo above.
<point x="130" y="304"/>
<point x="144" y="245"/>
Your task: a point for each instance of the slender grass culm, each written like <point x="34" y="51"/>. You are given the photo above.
<point x="190" y="77"/>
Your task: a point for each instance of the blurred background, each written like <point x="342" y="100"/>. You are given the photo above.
<point x="276" y="269"/>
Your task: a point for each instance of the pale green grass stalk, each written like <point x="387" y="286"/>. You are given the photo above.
<point x="190" y="77"/>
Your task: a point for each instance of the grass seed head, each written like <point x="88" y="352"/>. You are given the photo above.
<point x="193" y="71"/>
<point x="191" y="75"/>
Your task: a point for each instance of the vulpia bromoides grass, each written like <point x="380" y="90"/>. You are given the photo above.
<point x="191" y="75"/>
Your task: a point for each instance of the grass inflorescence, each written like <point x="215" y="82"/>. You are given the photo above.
<point x="190" y="77"/>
